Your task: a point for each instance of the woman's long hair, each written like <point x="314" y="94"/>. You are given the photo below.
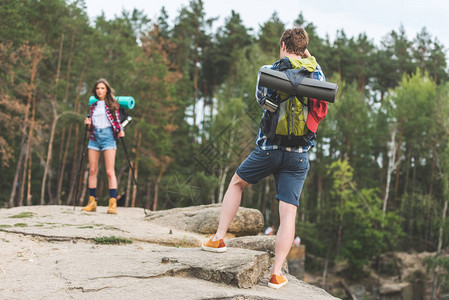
<point x="110" y="100"/>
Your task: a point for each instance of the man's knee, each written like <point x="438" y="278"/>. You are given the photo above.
<point x="237" y="181"/>
<point x="287" y="210"/>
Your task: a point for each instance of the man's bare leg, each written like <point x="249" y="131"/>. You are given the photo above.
<point x="285" y="235"/>
<point x="230" y="205"/>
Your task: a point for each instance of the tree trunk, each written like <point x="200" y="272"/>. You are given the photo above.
<point x="49" y="151"/>
<point x="391" y="166"/>
<point x="136" y="168"/>
<point x="51" y="194"/>
<point x="415" y="162"/>
<point x="62" y="152"/>
<point x="73" y="174"/>
<point x="260" y="196"/>
<point x="50" y="147"/>
<point x="37" y="56"/>
<point x="28" y="153"/>
<point x="407" y="170"/>
<point x="195" y="77"/>
<point x="84" y="181"/>
<point x="224" y="172"/>
<point x="162" y="170"/>
<point x="63" y="161"/>
<point x="222" y="179"/>
<point x="265" y="211"/>
<point x="340" y="227"/>
<point x="69" y="64"/>
<point x="148" y="194"/>
<point x="156" y="189"/>
<point x="131" y="185"/>
<point x="76" y="151"/>
<point x="58" y="69"/>
<point x="120" y="174"/>
<point x="432" y="172"/>
<point x="128" y="187"/>
<point x="18" y="168"/>
<point x="319" y="197"/>
<point x="348" y="290"/>
<point x="440" y="245"/>
<point x="339" y="234"/>
<point x="22" y="182"/>
<point x="69" y="136"/>
<point x="212" y="195"/>
<point x="28" y="199"/>
<point x="61" y="165"/>
<point x="398" y="169"/>
<point x="324" y="278"/>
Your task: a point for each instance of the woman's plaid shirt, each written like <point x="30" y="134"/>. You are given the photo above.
<point x="115" y="122"/>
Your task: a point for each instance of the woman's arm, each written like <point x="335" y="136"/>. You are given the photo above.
<point x="121" y="131"/>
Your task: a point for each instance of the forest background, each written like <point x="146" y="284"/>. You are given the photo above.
<point x="379" y="177"/>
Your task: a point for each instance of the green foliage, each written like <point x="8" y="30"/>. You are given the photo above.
<point x="358" y="216"/>
<point x="432" y="262"/>
<point x="25" y="214"/>
<point x="112" y="240"/>
<point x="270" y="33"/>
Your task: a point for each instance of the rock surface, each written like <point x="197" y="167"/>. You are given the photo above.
<point x="204" y="219"/>
<point x="50" y="253"/>
<point x="259" y="243"/>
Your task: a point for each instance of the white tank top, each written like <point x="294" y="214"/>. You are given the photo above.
<point x="99" y="118"/>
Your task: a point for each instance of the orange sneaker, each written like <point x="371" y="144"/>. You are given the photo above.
<point x="214" y="246"/>
<point x="276" y="282"/>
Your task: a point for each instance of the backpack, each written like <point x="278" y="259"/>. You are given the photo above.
<point x="123" y="114"/>
<point x="286" y="125"/>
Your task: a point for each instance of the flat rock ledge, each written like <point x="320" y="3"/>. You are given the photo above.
<point x="204" y="219"/>
<point x="50" y="252"/>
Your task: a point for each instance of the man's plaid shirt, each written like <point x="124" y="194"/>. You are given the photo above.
<point x="115" y="122"/>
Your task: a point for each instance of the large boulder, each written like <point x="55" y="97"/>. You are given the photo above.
<point x="400" y="290"/>
<point x="259" y="243"/>
<point x="204" y="219"/>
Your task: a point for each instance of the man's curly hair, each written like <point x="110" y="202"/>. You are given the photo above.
<point x="296" y="40"/>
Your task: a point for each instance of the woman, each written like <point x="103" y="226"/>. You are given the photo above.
<point x="104" y="125"/>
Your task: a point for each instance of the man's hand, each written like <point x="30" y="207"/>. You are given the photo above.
<point x="121" y="134"/>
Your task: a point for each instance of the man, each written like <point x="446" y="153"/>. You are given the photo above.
<point x="276" y="155"/>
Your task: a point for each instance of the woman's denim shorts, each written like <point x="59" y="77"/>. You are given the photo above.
<point x="104" y="140"/>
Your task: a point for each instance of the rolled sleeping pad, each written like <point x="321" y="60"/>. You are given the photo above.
<point x="311" y="88"/>
<point x="124" y="101"/>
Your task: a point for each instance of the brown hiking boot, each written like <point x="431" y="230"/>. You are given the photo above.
<point x="112" y="206"/>
<point x="91" y="206"/>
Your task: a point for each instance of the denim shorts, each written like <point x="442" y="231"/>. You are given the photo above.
<point x="289" y="169"/>
<point x="104" y="140"/>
